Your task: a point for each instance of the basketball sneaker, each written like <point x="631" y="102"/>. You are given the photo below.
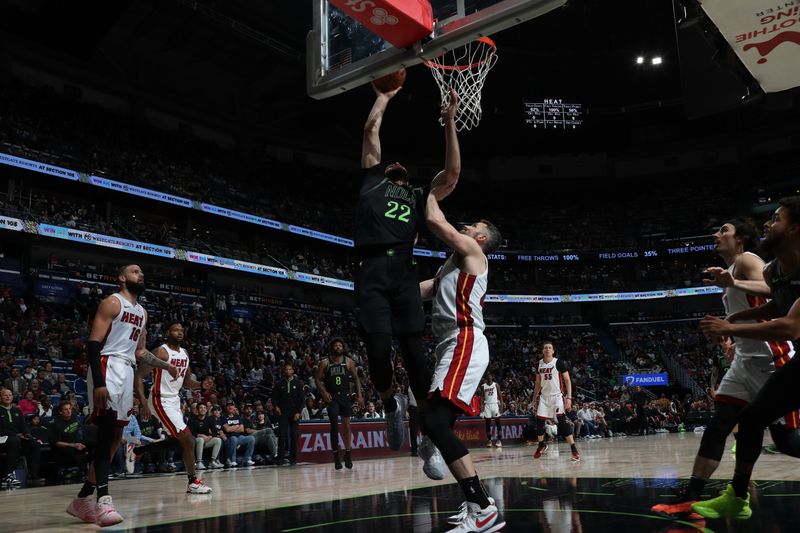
<point x="726" y="505"/>
<point x="576" y="456"/>
<point x="733" y="448"/>
<point x="489" y="444"/>
<point x="104" y="513"/>
<point x="216" y="464"/>
<point x="479" y="520"/>
<point x="771" y="449"/>
<point x="337" y="463"/>
<point x="540" y="450"/>
<point x="83" y="509"/>
<point x="498" y="444"/>
<point x="463" y="510"/>
<point x="433" y="466"/>
<point x="395" y="424"/>
<point x="682" y="510"/>
<point x="348" y="461"/>
<point x="199" y="465"/>
<point x="198" y="487"/>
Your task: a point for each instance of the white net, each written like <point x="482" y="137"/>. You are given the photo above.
<point x="465" y="69"/>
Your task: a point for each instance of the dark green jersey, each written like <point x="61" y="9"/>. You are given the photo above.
<point x="337" y="378"/>
<point x="387" y="215"/>
<point x="785" y="289"/>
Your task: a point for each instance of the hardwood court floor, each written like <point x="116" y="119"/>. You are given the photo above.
<point x="612" y="488"/>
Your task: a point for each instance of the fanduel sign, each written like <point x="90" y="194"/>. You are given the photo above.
<point x="646" y="380"/>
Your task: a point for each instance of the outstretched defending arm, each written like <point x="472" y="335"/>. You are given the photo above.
<point x="446" y="180"/>
<point x="464" y="245"/>
<point x="371" y="145"/>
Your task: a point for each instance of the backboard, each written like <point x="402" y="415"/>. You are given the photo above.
<point x="343" y="54"/>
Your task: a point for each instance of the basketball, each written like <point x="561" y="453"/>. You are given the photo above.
<point x="390" y="82"/>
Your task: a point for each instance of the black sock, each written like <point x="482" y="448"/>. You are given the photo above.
<point x="390" y="405"/>
<point x="695" y="488"/>
<point x="574" y="448"/>
<point x="740" y="483"/>
<point x="474" y="491"/>
<point x="102" y="490"/>
<point x="86" y="490"/>
<point x="192" y="478"/>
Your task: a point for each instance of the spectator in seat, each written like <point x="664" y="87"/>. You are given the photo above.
<point x="62" y="387"/>
<point x="45" y="410"/>
<point x="235" y="431"/>
<point x="16" y="383"/>
<point x="28" y="405"/>
<point x="289" y="397"/>
<point x="587" y="416"/>
<point x="205" y="437"/>
<point x="152" y="431"/>
<point x="18" y="441"/>
<point x="68" y="448"/>
<point x="371" y="412"/>
<point x="264" y="434"/>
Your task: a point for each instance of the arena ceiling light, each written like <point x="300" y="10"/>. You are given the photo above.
<point x="640" y="60"/>
<point x="656" y="60"/>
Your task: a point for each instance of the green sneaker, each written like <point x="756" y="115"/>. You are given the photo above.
<point x="733" y="448"/>
<point x="727" y="505"/>
<point x="771" y="449"/>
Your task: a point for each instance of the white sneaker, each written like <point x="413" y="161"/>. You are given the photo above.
<point x="498" y="444"/>
<point x="249" y="463"/>
<point x="433" y="466"/>
<point x="216" y="464"/>
<point x="199" y="465"/>
<point x="198" y="487"/>
<point x="463" y="510"/>
<point x="395" y="423"/>
<point x="105" y="514"/>
<point x="477" y="520"/>
<point x="83" y="509"/>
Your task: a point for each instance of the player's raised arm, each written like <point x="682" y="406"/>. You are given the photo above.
<point x="371" y="145"/>
<point x="446" y="180"/>
<point x="464" y="245"/>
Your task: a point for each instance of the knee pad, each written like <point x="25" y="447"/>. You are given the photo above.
<point x="726" y="416"/>
<point x="786" y="440"/>
<point x="565" y="426"/>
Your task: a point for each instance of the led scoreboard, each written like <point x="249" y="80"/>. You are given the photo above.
<point x="553" y="113"/>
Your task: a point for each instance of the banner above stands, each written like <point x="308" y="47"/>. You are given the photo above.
<point x="659" y="253"/>
<point x="109" y="241"/>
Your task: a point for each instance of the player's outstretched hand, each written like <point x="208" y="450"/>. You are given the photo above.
<point x="714" y="327"/>
<point x="719" y="277"/>
<point x="101" y="398"/>
<point x="388" y="95"/>
<point x="449" y="110"/>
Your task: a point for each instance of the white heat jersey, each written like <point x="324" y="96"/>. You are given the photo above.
<point x="551" y="377"/>
<point x="163" y="384"/>
<point x="736" y="300"/>
<point x="489" y="394"/>
<point x="458" y="299"/>
<point x="123" y="335"/>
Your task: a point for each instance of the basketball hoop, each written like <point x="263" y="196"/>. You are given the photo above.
<point x="464" y="69"/>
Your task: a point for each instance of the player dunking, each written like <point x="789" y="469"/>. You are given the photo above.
<point x="164" y="400"/>
<point x="490" y="400"/>
<point x="552" y="381"/>
<point x="462" y="355"/>
<point x="778" y="395"/>
<point x="753" y="361"/>
<point x="389" y="215"/>
<point x="116" y="343"/>
<point x="333" y="382"/>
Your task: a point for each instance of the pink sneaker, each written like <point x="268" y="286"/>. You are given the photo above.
<point x="105" y="514"/>
<point x="83" y="509"/>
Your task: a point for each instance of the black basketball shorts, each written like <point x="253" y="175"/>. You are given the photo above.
<point x="339" y="406"/>
<point x="387" y="296"/>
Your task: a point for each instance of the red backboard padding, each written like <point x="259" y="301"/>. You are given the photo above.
<point x="399" y="22"/>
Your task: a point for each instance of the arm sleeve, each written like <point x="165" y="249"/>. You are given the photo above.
<point x="561" y="366"/>
<point x="93" y="354"/>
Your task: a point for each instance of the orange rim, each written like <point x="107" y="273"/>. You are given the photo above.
<point x="484" y="40"/>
